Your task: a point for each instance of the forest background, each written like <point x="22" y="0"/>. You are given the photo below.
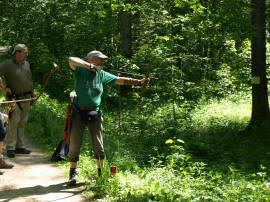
<point x="184" y="139"/>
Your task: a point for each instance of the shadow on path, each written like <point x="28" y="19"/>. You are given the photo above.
<point x="35" y="178"/>
<point x="7" y="194"/>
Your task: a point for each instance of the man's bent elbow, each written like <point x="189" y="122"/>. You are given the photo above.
<point x="71" y="63"/>
<point x="70" y="60"/>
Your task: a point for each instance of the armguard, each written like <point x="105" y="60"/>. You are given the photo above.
<point x="129" y="81"/>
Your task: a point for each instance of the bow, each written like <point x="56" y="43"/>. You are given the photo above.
<point x="147" y="75"/>
<point x="56" y="67"/>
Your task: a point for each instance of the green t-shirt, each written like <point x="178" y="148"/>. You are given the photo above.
<point x="89" y="86"/>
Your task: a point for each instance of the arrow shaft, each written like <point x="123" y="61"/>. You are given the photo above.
<point x="14" y="101"/>
<point x="106" y="69"/>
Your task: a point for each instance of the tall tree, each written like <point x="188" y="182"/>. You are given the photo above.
<point x="126" y="33"/>
<point x="260" y="105"/>
<point x="126" y="38"/>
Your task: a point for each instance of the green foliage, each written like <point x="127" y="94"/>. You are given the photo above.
<point x="182" y="142"/>
<point x="198" y="48"/>
<point x="46" y="122"/>
<point x="198" y="157"/>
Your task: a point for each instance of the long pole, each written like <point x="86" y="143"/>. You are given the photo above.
<point x="14" y="101"/>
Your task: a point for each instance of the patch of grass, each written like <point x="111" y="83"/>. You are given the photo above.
<point x="199" y="156"/>
<point x="46" y="123"/>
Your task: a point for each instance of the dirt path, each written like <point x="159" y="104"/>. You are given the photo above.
<point x="34" y="178"/>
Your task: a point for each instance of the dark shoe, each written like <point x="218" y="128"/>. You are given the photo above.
<point x="72" y="177"/>
<point x="22" y="151"/>
<point x="11" y="153"/>
<point x="4" y="164"/>
<point x="1" y="173"/>
<point x="57" y="158"/>
<point x="72" y="182"/>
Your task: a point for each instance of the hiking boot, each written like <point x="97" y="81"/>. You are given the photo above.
<point x="4" y="164"/>
<point x="11" y="153"/>
<point x="22" y="151"/>
<point x="72" y="177"/>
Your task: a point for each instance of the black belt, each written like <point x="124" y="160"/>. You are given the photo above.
<point x="16" y="96"/>
<point x="77" y="109"/>
<point x="85" y="109"/>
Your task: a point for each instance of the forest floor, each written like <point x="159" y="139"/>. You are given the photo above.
<point x="35" y="178"/>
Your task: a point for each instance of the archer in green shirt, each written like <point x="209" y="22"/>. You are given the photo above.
<point x="89" y="81"/>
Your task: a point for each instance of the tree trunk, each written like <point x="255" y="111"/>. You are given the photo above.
<point x="126" y="42"/>
<point x="260" y="107"/>
<point x="126" y="33"/>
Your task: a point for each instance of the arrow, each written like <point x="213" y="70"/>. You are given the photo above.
<point x="14" y="101"/>
<point x="111" y="70"/>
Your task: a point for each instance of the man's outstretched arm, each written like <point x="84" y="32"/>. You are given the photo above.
<point x="130" y="81"/>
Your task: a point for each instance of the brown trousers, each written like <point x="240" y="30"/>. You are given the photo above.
<point x="95" y="131"/>
<point x="15" y="128"/>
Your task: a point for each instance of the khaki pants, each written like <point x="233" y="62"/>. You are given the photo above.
<point x="76" y="136"/>
<point x="15" y="128"/>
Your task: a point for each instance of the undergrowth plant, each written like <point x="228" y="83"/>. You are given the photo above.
<point x="199" y="156"/>
<point x="46" y="122"/>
